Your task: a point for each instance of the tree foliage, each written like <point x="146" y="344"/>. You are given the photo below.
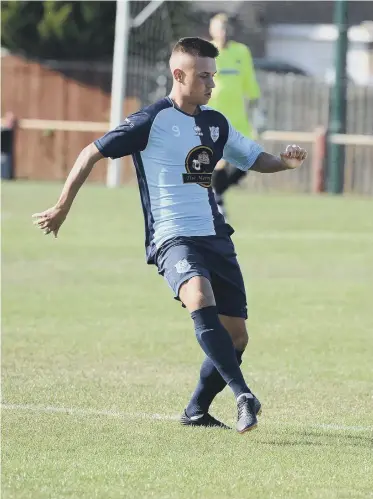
<point x="82" y="30"/>
<point x="59" y="29"/>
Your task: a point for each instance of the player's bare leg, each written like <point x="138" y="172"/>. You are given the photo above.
<point x="197" y="295"/>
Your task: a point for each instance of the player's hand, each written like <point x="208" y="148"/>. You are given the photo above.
<point x="293" y="156"/>
<point x="50" y="220"/>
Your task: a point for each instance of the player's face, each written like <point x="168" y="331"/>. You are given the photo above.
<point x="199" y="80"/>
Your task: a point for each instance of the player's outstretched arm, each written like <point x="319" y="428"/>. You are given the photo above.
<point x="51" y="220"/>
<point x="292" y="158"/>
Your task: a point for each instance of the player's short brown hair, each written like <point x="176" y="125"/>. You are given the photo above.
<point x="196" y="46"/>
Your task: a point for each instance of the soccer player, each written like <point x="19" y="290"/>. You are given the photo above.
<point x="175" y="144"/>
<point x="236" y="94"/>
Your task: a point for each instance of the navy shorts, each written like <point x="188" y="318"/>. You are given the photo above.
<point x="214" y="257"/>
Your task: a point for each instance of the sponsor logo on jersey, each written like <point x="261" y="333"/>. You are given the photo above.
<point x="199" y="165"/>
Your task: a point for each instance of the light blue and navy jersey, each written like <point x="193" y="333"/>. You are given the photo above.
<point x="175" y="154"/>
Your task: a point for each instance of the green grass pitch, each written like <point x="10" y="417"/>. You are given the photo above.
<point x="98" y="360"/>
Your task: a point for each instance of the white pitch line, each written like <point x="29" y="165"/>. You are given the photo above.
<point x="143" y="415"/>
<point x="342" y="427"/>
<point x="86" y="412"/>
<point x="310" y="235"/>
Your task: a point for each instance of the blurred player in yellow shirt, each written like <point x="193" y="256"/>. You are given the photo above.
<point x="236" y="93"/>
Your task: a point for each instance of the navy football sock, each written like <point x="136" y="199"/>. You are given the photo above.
<point x="218" y="346"/>
<point x="209" y="385"/>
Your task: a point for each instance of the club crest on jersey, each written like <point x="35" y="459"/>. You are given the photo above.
<point x="214" y="132"/>
<point x="199" y="164"/>
<point x="182" y="266"/>
<point x="198" y="130"/>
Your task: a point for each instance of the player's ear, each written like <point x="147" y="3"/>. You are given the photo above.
<point x="179" y="75"/>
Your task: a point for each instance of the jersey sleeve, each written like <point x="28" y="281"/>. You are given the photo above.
<point x="129" y="137"/>
<point x="250" y="84"/>
<point x="240" y="151"/>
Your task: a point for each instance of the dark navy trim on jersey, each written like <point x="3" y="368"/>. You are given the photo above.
<point x="130" y="138"/>
<point x="150" y="248"/>
<point x="146" y="207"/>
<point x="175" y="106"/>
<point x="127" y="138"/>
<point x="221" y="226"/>
<point x="203" y="120"/>
<point x="132" y="134"/>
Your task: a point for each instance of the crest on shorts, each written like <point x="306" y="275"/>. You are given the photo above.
<point x="182" y="266"/>
<point x="214" y="132"/>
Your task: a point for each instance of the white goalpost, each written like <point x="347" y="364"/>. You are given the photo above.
<point x="123" y="25"/>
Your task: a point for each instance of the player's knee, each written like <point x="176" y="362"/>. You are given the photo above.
<point x="200" y="300"/>
<point x="197" y="293"/>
